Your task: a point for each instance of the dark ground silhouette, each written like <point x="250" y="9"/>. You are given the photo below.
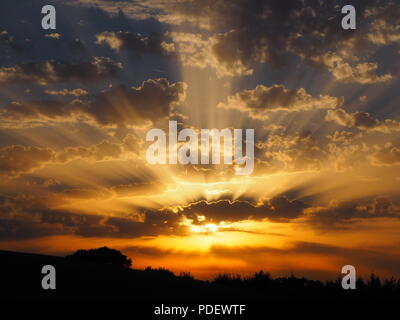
<point x="105" y="274"/>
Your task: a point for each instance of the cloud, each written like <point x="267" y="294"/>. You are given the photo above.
<point x="343" y="137"/>
<point x="118" y="106"/>
<point x="24" y="217"/>
<point x="17" y="159"/>
<point x="297" y="152"/>
<point x="385" y="29"/>
<point x="263" y="99"/>
<point x="202" y="52"/>
<point x="296" y="247"/>
<point x="40" y="110"/>
<point x="134" y="42"/>
<point x="383" y="33"/>
<point x="5" y="39"/>
<point x="154" y="224"/>
<point x="138" y="180"/>
<point x="339" y="213"/>
<point x="50" y="71"/>
<point x="363" y="73"/>
<point x="153" y="100"/>
<point x="8" y="45"/>
<point x="103" y="150"/>
<point x="78" y="92"/>
<point x="362" y="121"/>
<point x="276" y="209"/>
<point x="44" y="222"/>
<point x="250" y="32"/>
<point x="12" y="229"/>
<point x="53" y="35"/>
<point x="386" y="157"/>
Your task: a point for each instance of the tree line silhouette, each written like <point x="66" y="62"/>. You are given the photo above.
<point x="106" y="273"/>
<point x="261" y="281"/>
<point x="292" y="286"/>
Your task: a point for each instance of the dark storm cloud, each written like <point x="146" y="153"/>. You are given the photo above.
<point x="50" y="71"/>
<point x="276" y="209"/>
<point x="118" y="106"/>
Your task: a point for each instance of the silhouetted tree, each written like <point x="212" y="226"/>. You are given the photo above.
<point x="103" y="254"/>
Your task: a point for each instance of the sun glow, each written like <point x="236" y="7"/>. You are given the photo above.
<point x="207" y="228"/>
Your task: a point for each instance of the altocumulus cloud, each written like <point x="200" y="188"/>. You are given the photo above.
<point x="362" y="121"/>
<point x="261" y="100"/>
<point x="49" y="71"/>
<point x="134" y="42"/>
<point x="268" y="32"/>
<point x="388" y="156"/>
<point x="17" y="159"/>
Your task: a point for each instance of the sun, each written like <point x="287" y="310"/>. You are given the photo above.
<point x="207" y="228"/>
<point x="211" y="227"/>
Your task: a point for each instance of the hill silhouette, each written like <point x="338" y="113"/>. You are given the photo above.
<point x="86" y="275"/>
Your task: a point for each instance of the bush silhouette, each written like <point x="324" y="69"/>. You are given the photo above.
<point x="104" y="255"/>
<point x="293" y="287"/>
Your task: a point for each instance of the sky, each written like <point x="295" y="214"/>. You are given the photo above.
<point x="76" y="104"/>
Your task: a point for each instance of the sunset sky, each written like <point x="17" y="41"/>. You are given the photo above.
<point x="76" y="104"/>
